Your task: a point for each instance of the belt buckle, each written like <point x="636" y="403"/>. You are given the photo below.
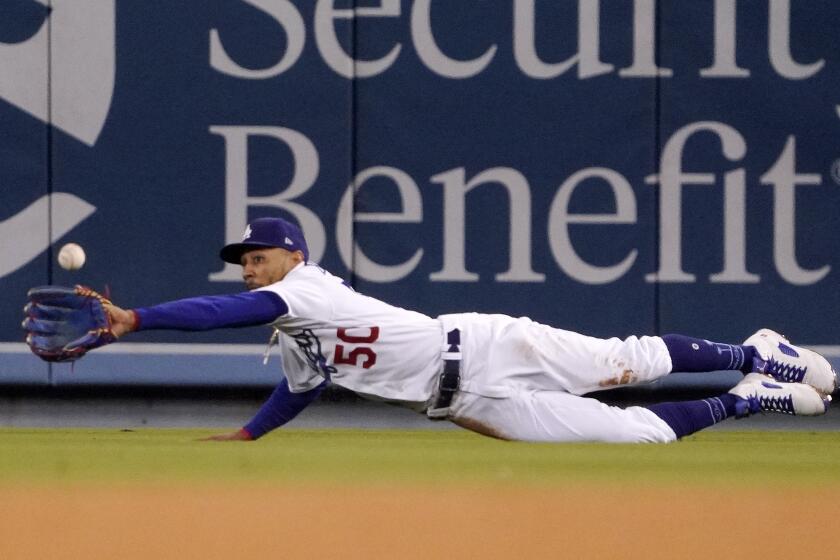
<point x="448" y="384"/>
<point x="443" y="401"/>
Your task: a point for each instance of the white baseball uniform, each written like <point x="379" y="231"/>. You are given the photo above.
<point x="519" y="379"/>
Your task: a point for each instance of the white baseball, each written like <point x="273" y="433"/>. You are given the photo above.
<point x="71" y="257"/>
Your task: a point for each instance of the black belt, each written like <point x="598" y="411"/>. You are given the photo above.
<point x="450" y="377"/>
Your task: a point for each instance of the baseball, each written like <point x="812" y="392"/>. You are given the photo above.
<point x="71" y="257"/>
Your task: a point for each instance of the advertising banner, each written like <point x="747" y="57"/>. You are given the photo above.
<point x="613" y="168"/>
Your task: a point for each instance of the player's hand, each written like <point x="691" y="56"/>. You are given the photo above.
<point x="122" y="321"/>
<point x="238" y="435"/>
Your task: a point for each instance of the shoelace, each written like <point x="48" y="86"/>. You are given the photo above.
<point x="777" y="404"/>
<point x="785" y="372"/>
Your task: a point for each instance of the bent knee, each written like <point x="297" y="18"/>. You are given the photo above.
<point x="636" y="360"/>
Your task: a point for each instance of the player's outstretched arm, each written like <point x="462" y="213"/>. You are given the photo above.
<point x="204" y="313"/>
<point x="199" y="313"/>
<point x="63" y="324"/>
<point x="280" y="408"/>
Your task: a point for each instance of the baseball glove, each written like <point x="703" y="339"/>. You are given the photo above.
<point x="64" y="323"/>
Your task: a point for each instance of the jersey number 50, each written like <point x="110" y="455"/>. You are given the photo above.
<point x="363" y="353"/>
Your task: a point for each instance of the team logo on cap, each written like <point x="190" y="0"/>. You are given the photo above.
<point x="247" y="233"/>
<point x="288" y="241"/>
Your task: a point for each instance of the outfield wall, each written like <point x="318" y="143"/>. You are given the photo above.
<point x="616" y="168"/>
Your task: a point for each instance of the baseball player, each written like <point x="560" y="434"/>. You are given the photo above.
<point x="506" y="377"/>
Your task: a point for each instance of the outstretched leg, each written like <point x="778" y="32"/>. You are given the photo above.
<point x="557" y="416"/>
<point x="765" y="352"/>
<point x="756" y="393"/>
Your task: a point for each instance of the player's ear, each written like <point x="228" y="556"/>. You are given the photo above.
<point x="298" y="256"/>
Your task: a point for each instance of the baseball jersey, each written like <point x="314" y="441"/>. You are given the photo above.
<point x="368" y="346"/>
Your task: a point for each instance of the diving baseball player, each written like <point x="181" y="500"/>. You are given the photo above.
<point x="497" y="375"/>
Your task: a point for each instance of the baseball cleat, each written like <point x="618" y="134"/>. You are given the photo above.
<point x="777" y="357"/>
<point x="761" y="393"/>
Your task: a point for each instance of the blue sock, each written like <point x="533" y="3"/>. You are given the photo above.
<point x="696" y="354"/>
<point x="688" y="417"/>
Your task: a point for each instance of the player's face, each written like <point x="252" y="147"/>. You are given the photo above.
<point x="261" y="267"/>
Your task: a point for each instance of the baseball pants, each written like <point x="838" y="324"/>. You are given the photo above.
<point x="522" y="380"/>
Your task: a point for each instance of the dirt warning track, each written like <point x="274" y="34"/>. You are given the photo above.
<point x="147" y="521"/>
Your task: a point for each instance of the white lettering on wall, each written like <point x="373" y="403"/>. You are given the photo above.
<point x="644" y="43"/>
<point x="284" y="13"/>
<point x="559" y="219"/>
<point x="722" y="38"/>
<point x="455" y="189"/>
<point x="431" y="55"/>
<point x="784" y="178"/>
<point x="671" y="180"/>
<point x="724" y="65"/>
<point x="589" y="44"/>
<point x="412" y="212"/>
<point x="332" y="51"/>
<point x="779" y="45"/>
<point x="237" y="200"/>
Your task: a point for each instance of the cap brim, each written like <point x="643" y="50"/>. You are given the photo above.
<point x="233" y="253"/>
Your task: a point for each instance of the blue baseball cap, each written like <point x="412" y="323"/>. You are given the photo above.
<point x="267" y="232"/>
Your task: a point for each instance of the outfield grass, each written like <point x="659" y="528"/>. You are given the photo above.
<point x="804" y="459"/>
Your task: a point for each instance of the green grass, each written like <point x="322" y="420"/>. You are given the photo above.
<point x="391" y="456"/>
